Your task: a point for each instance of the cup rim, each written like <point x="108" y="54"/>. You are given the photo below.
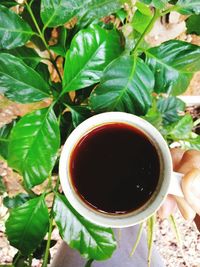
<point x="78" y="204"/>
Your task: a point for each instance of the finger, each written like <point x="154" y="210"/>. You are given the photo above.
<point x="191" y="189"/>
<point x="190" y="160"/>
<point x="168" y="207"/>
<point x="176" y="154"/>
<point x="187" y="212"/>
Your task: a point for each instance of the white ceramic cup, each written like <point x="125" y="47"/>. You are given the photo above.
<point x="169" y="182"/>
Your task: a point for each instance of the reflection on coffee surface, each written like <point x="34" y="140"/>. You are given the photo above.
<point x="115" y="168"/>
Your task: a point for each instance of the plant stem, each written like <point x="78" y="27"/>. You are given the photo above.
<point x="41" y="35"/>
<point x="17" y="258"/>
<point x="30" y="260"/>
<point x="173" y="8"/>
<point x="46" y="255"/>
<point x="197" y="122"/>
<point x="139" y="233"/>
<point x="89" y="263"/>
<point x="147" y="30"/>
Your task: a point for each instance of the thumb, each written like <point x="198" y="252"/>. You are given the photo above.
<point x="191" y="189"/>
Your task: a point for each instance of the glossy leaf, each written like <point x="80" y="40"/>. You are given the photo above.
<point x="188" y="7"/>
<point x="14" y="31"/>
<point x="191" y="143"/>
<point x="8" y="3"/>
<point x="19" y="82"/>
<point x="136" y="22"/>
<point x="147" y="2"/>
<point x="160" y="4"/>
<point x="43" y="71"/>
<point x="27" y="225"/>
<point x="16" y="201"/>
<point x="95" y="9"/>
<point x="173" y="64"/>
<point x="154" y="116"/>
<point x="79" y="114"/>
<point x="90" y="52"/>
<point x="92" y="241"/>
<point x="144" y="9"/>
<point x="193" y="23"/>
<point x="33" y="146"/>
<point x="20" y="260"/>
<point x="28" y="55"/>
<point x="126" y="86"/>
<point x="181" y="129"/>
<point x="170" y="108"/>
<point x="55" y="13"/>
<point x="121" y="14"/>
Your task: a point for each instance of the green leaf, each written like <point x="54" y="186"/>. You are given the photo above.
<point x="8" y="3"/>
<point x="20" y="260"/>
<point x="170" y="108"/>
<point x="79" y="114"/>
<point x="121" y="14"/>
<point x="27" y="225"/>
<point x="144" y="9"/>
<point x="95" y="9"/>
<point x="188" y="7"/>
<point x="43" y="70"/>
<point x="2" y="186"/>
<point x="92" y="241"/>
<point x="4" y="134"/>
<point x="182" y="129"/>
<point x="56" y="13"/>
<point x="33" y="146"/>
<point x="19" y="82"/>
<point x="16" y="201"/>
<point x="136" y="22"/>
<point x="28" y="55"/>
<point x="14" y="31"/>
<point x="90" y="52"/>
<point x="173" y="63"/>
<point x="193" y="23"/>
<point x="160" y="4"/>
<point x="191" y="143"/>
<point x="147" y="2"/>
<point x="153" y="116"/>
<point x="126" y="86"/>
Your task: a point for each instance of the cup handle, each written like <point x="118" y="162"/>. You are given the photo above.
<point x="175" y="184"/>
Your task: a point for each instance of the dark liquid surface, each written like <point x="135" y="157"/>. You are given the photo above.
<point x="115" y="168"/>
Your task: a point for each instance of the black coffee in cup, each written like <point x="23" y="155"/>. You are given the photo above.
<point x="115" y="168"/>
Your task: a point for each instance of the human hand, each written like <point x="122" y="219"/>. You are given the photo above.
<point x="188" y="163"/>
